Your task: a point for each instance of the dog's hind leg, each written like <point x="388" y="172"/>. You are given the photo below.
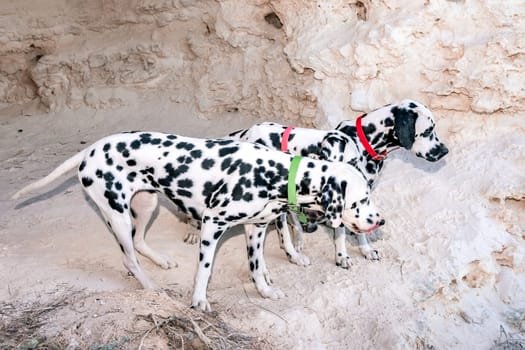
<point x="286" y="242"/>
<point x="143" y="204"/>
<point x="122" y="229"/>
<point x="119" y="223"/>
<point x="366" y="250"/>
<point x="255" y="234"/>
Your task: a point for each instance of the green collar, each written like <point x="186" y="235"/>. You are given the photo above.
<point x="292" y="193"/>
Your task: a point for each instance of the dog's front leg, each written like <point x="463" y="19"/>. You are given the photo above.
<point x="286" y="241"/>
<point x="366" y="250"/>
<point x="193" y="234"/>
<point x="342" y="258"/>
<point x="255" y="234"/>
<point x="210" y="235"/>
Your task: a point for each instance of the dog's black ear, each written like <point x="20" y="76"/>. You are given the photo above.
<point x="332" y="201"/>
<point x="405" y="126"/>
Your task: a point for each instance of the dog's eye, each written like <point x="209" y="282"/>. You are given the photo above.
<point x="428" y="132"/>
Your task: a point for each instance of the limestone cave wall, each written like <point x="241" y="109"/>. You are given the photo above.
<point x="313" y="61"/>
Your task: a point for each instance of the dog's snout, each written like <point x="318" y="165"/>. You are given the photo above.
<point x="381" y="222"/>
<point x="436" y="153"/>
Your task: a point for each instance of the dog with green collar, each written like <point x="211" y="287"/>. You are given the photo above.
<point x="220" y="183"/>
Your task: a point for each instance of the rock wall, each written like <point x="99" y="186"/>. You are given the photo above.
<point x="317" y="61"/>
<point x="453" y="55"/>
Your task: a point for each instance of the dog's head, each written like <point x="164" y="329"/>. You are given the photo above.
<point x="414" y="128"/>
<point x="345" y="200"/>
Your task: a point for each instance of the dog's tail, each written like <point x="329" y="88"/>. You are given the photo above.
<point x="62" y="169"/>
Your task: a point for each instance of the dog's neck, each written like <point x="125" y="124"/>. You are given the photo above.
<point x="379" y="134"/>
<point x="308" y="187"/>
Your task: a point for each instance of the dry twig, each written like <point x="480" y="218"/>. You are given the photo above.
<point x="203" y="331"/>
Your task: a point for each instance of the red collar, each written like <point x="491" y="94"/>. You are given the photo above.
<point x="286" y="136"/>
<point x="364" y="141"/>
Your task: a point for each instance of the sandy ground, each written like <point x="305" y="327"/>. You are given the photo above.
<point x="451" y="274"/>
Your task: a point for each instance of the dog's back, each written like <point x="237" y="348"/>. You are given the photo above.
<point x="330" y="145"/>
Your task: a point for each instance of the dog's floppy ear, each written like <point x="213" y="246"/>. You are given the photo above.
<point x="335" y="147"/>
<point x="405" y="126"/>
<point x="332" y="201"/>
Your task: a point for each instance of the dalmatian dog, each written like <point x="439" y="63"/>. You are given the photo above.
<point x="221" y="184"/>
<point x="326" y="145"/>
<point x="407" y="124"/>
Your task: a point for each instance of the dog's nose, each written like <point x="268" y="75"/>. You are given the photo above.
<point x="381" y="223"/>
<point x="444" y="151"/>
<point x="436" y="153"/>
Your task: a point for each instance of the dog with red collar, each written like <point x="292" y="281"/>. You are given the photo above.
<point x="363" y="143"/>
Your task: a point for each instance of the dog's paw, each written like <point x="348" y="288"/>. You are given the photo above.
<point x="163" y="261"/>
<point x="271" y="293"/>
<point x="147" y="284"/>
<point x="343" y="261"/>
<point x="167" y="264"/>
<point x="298" y="245"/>
<point x="372" y="254"/>
<point x="267" y="277"/>
<point x="300" y="259"/>
<point x="202" y="305"/>
<point x="192" y="237"/>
